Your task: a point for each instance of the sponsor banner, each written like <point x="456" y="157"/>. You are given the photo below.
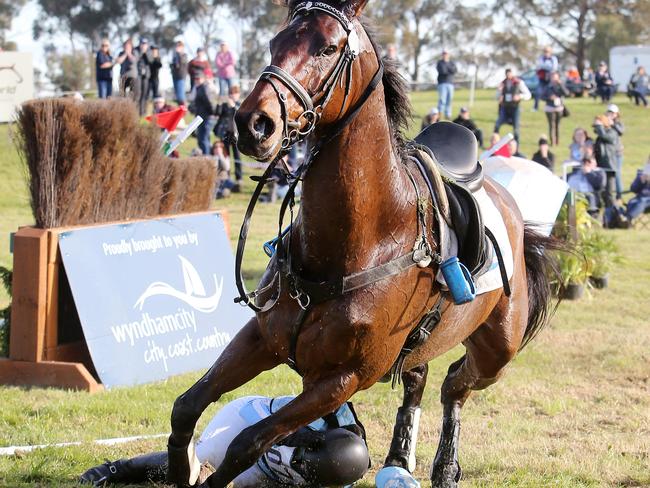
<point x="16" y="82"/>
<point x="538" y="192"/>
<point x="155" y="298"/>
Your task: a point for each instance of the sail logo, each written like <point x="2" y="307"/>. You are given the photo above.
<point x="194" y="293"/>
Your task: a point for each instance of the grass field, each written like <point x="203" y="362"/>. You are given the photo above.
<point x="573" y="410"/>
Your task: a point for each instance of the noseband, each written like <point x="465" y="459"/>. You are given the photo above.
<point x="297" y="130"/>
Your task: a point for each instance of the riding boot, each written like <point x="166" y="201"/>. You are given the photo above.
<point x="402" y="448"/>
<point x="149" y="467"/>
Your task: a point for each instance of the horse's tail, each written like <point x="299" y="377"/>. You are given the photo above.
<point x="540" y="263"/>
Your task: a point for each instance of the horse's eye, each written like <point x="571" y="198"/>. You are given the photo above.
<point x="329" y="50"/>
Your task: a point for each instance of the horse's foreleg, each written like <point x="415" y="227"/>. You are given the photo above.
<point x="402" y="447"/>
<point x="243" y="359"/>
<point x="319" y="398"/>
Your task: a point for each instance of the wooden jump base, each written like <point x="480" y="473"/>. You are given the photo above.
<point x="36" y="356"/>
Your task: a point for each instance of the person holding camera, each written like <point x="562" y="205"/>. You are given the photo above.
<point x="605" y="149"/>
<point x="128" y="61"/>
<point x="554" y="95"/>
<point x="144" y="73"/>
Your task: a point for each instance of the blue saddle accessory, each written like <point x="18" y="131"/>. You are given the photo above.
<point x="458" y="280"/>
<point x="271" y="246"/>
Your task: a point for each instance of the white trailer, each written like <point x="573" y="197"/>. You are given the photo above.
<point x="624" y="60"/>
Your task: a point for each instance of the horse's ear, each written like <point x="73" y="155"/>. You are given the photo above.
<point x="354" y="7"/>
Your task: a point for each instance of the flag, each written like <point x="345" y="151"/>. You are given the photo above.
<point x="168" y="120"/>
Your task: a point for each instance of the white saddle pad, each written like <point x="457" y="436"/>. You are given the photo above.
<point x="491" y="278"/>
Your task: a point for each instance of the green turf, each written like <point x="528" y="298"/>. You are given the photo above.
<point x="573" y="410"/>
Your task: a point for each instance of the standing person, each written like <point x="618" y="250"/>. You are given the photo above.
<point x="154" y="70"/>
<point x="604" y="83"/>
<point x="225" y="63"/>
<point x="543" y="155"/>
<point x="639" y="85"/>
<point x="179" y="72"/>
<point x="197" y="66"/>
<point x="446" y="71"/>
<point x="547" y="64"/>
<point x="225" y="129"/>
<point x="128" y="61"/>
<point x="554" y="97"/>
<point x="510" y="93"/>
<point x="144" y="73"/>
<point x="465" y="120"/>
<point x="614" y="115"/>
<point x="104" y="70"/>
<point x="203" y="106"/>
<point x="605" y="150"/>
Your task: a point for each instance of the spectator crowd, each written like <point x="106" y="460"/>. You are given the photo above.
<point x="595" y="156"/>
<point x="208" y="89"/>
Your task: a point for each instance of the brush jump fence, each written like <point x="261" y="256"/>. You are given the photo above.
<point x="88" y="163"/>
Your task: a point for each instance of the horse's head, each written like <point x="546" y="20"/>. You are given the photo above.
<point x="309" y="79"/>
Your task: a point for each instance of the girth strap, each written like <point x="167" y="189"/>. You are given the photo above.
<point x="320" y="292"/>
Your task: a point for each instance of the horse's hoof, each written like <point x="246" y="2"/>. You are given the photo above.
<point x="183" y="467"/>
<point x="446" y="475"/>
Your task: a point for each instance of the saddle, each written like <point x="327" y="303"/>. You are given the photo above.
<point x="453" y="150"/>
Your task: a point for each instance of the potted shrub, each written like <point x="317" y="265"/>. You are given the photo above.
<point x="602" y="253"/>
<point x="570" y="284"/>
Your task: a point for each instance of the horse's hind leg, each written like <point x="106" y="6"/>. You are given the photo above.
<point x="489" y="349"/>
<point x="243" y="359"/>
<point x="402" y="447"/>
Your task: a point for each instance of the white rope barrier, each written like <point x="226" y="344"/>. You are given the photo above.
<point x="12" y="450"/>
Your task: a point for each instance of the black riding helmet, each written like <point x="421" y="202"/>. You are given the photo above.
<point x="340" y="458"/>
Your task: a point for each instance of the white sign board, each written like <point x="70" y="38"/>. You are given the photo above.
<point x="625" y="60"/>
<point x="538" y="192"/>
<point x="16" y="82"/>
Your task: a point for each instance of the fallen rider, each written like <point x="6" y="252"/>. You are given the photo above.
<point x="331" y="451"/>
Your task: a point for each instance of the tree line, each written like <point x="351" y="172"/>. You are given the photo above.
<point x="489" y="35"/>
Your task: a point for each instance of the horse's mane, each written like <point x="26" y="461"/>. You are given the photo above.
<point x="396" y="89"/>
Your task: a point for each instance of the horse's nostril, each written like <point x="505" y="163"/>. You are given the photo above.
<point x="262" y="126"/>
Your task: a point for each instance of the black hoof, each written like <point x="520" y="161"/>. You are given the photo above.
<point x="446" y="475"/>
<point x="184" y="467"/>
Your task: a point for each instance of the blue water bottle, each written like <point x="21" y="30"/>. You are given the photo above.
<point x="459" y="281"/>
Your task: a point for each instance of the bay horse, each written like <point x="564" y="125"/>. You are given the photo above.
<point x="358" y="213"/>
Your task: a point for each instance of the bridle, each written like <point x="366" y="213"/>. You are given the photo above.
<point x="297" y="130"/>
<point x="293" y="132"/>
